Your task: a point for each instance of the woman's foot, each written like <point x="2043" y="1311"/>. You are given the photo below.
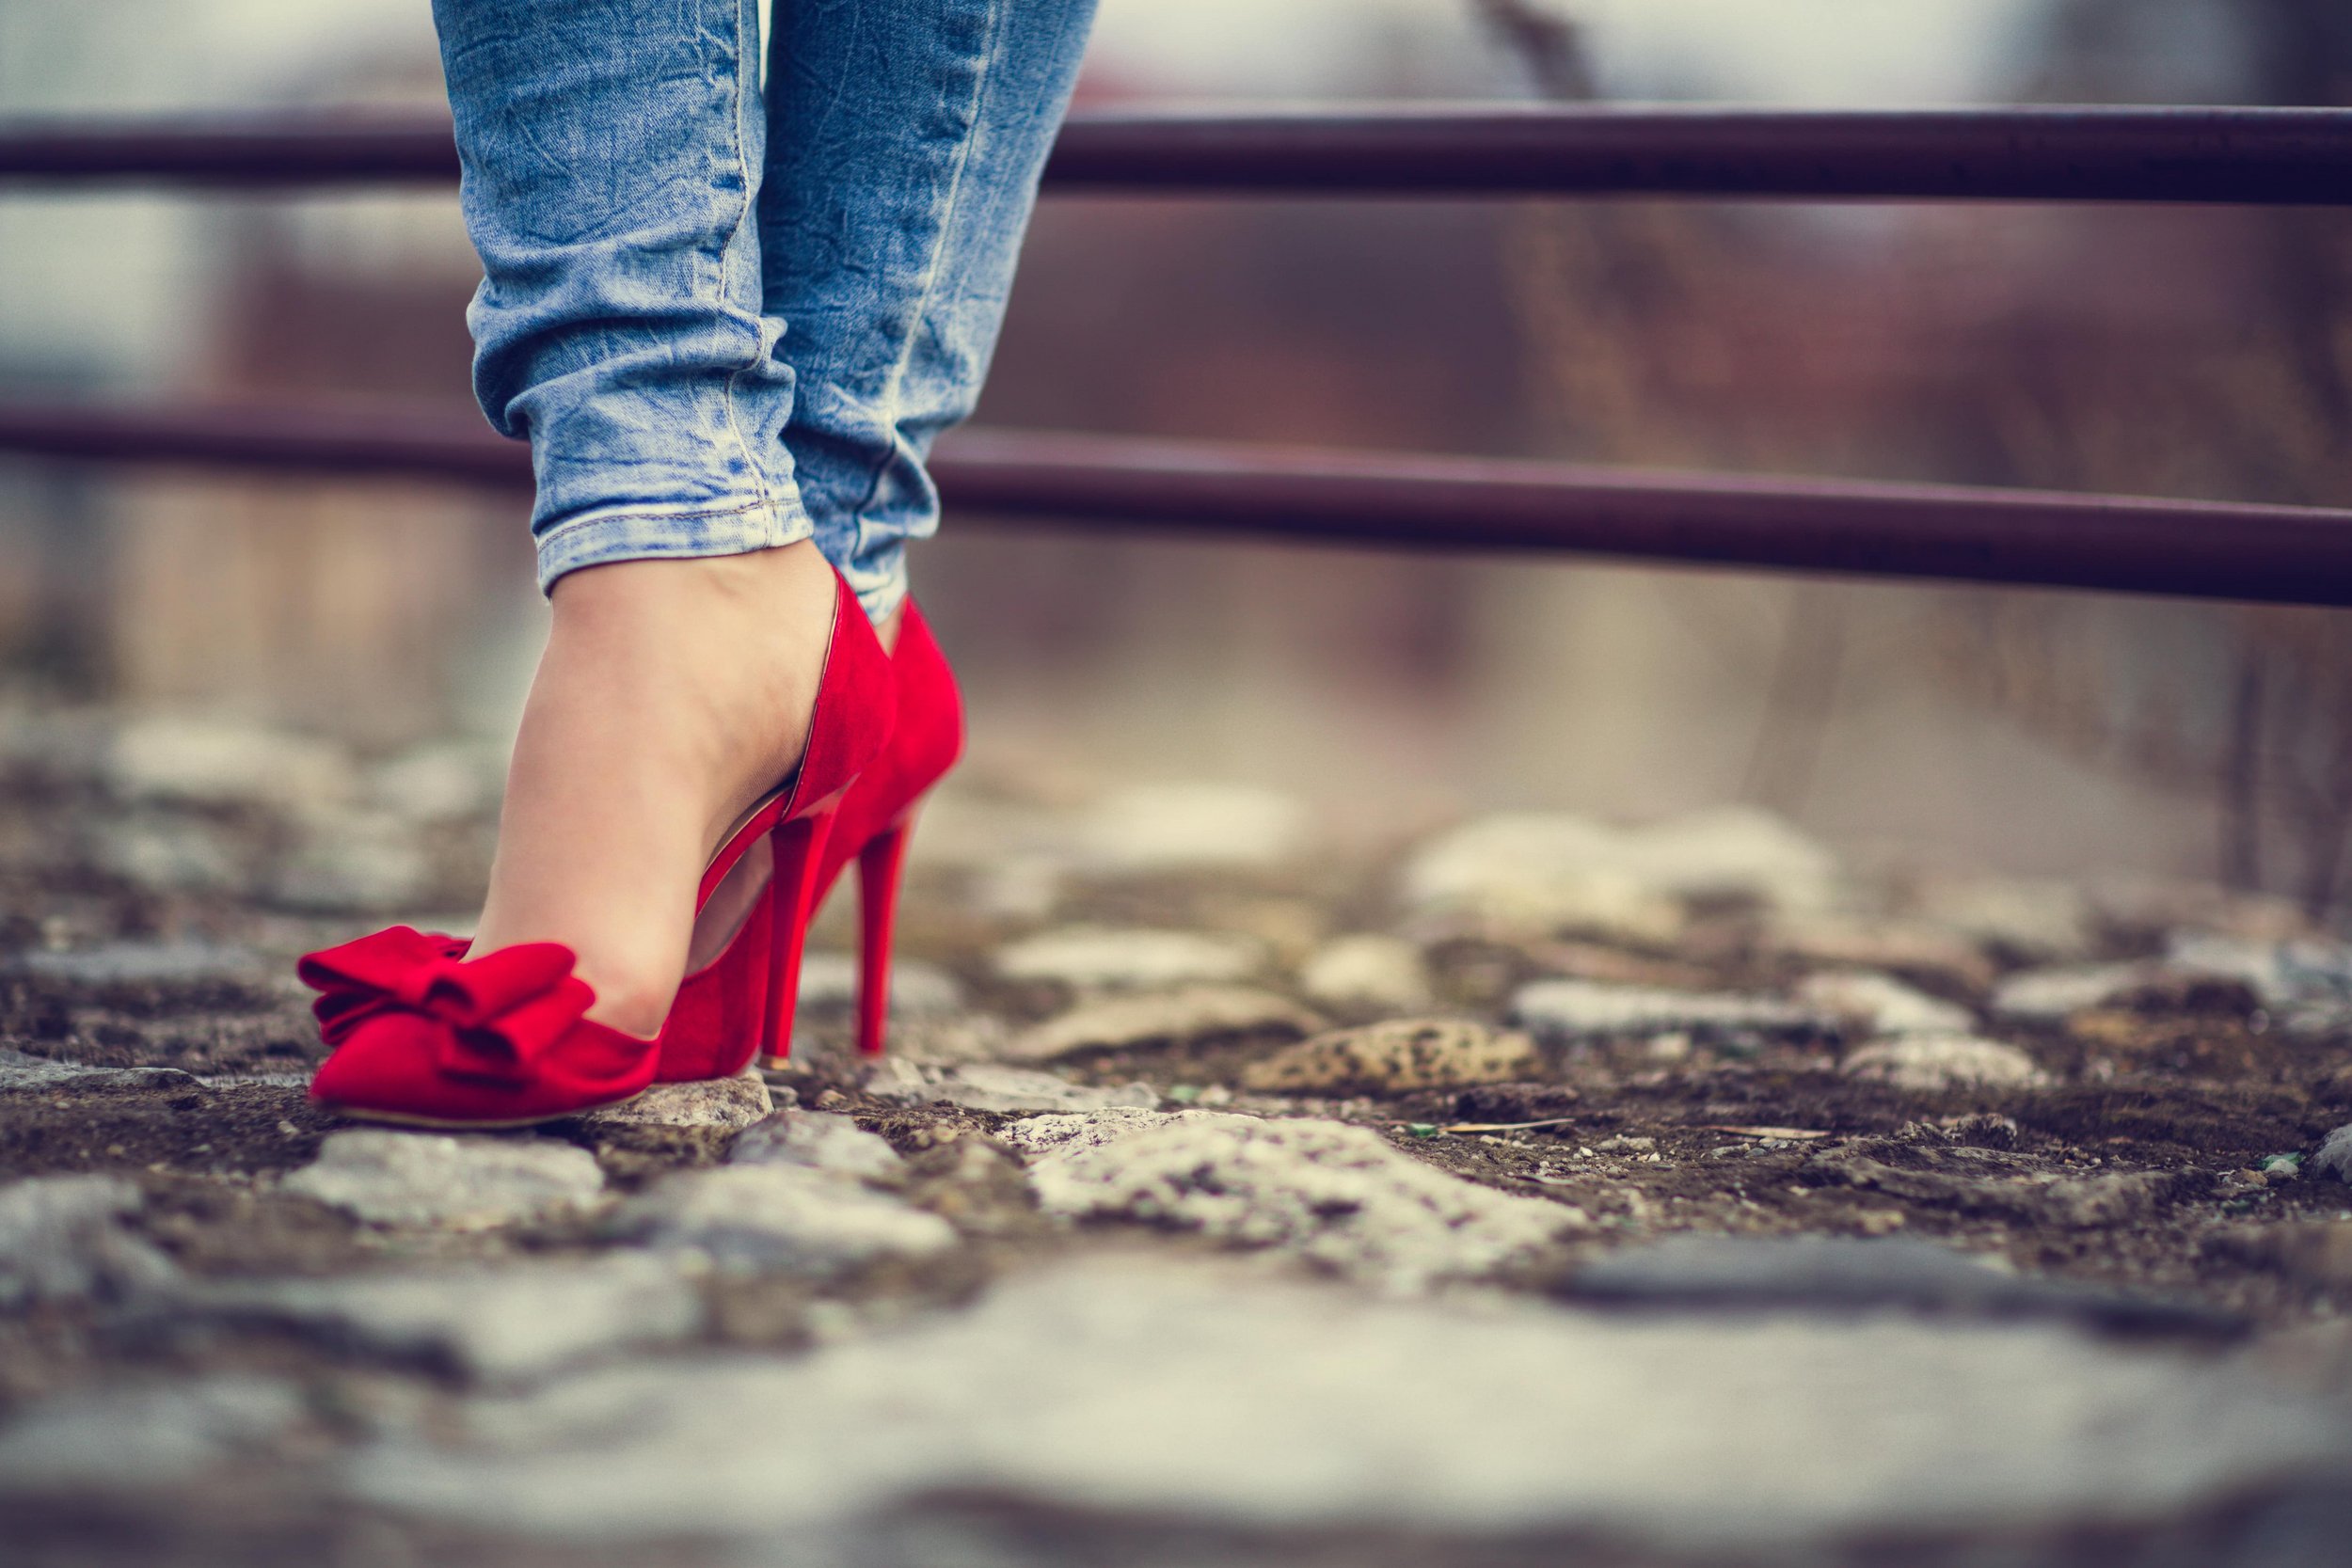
<point x="672" y="696"/>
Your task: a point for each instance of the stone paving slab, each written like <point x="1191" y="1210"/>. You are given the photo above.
<point x="1136" y="1386"/>
<point x="463" y="1182"/>
<point x="1830" y="1274"/>
<point x="506" y="1323"/>
<point x="1342" y="1196"/>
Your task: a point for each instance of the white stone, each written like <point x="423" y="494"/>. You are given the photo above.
<point x="513" y="1322"/>
<point x="456" y="1183"/>
<point x="2262" y="966"/>
<point x="1093" y="1128"/>
<point x="2094" y="1202"/>
<point x="1575" y="1011"/>
<point x="1882" y="1005"/>
<point x="143" y="963"/>
<point x="786" y="1216"/>
<point x="1942" y="1061"/>
<point x="918" y="990"/>
<point x="1598" y="900"/>
<point x="943" y="1043"/>
<point x="1368" y="970"/>
<point x="900" y="1077"/>
<point x="1183" y="826"/>
<point x="1734" y="853"/>
<point x="356" y="861"/>
<point x="1510" y="858"/>
<point x="819" y="1141"/>
<point x="1020" y="887"/>
<point x="737" y="1102"/>
<point x="1019" y="853"/>
<point x="1559" y="871"/>
<point x="1339" y="1196"/>
<point x="62" y="1239"/>
<point x="2161" y="904"/>
<point x="439" y="782"/>
<point x="991" y="1086"/>
<point x="252" y="1080"/>
<point x="1085" y="955"/>
<point x="1907" y="945"/>
<point x="21" y="1071"/>
<point x="1122" y="1023"/>
<point x="222" y="762"/>
<point x="968" y="828"/>
<point x="2050" y="996"/>
<point x="2307" y="983"/>
<point x="1130" y="1388"/>
<point x="126" y="1438"/>
<point x="2048" y="921"/>
<point x="2334" y="1157"/>
<point x="170" y="852"/>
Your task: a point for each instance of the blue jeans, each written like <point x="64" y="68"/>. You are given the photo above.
<point x="726" y="325"/>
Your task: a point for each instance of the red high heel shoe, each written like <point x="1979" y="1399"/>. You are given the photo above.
<point x="423" y="1036"/>
<point x="742" y="1005"/>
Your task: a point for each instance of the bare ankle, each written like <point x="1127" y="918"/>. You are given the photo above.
<point x="753" y="577"/>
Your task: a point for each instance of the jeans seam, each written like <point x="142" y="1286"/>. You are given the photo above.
<point x="591" y="519"/>
<point x="603" y="538"/>
<point x="751" y="200"/>
<point x="895" y="385"/>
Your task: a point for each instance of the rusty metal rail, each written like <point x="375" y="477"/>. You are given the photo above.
<point x="2260" y="155"/>
<point x="2198" y="548"/>
<point x="2204" y="550"/>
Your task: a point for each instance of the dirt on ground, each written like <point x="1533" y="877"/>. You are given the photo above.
<point x="2163" y="1143"/>
<point x="2185" y="1088"/>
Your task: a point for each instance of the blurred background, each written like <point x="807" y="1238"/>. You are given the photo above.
<point x="2179" y="351"/>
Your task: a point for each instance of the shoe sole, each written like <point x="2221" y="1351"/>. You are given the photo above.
<point x="443" y="1124"/>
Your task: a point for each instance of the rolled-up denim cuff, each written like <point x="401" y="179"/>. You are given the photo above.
<point x="638" y="532"/>
<point x="879" y="581"/>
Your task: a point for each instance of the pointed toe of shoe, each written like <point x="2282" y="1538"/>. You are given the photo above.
<point x="386" y="1071"/>
<point x="426" y="1036"/>
<point x="389" y="1070"/>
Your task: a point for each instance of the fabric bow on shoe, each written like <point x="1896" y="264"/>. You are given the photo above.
<point x="500" y="1013"/>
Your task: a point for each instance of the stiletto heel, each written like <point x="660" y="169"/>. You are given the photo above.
<point x="425" y="1034"/>
<point x="879" y="865"/>
<point x="800" y="850"/>
<point x="699" y="1039"/>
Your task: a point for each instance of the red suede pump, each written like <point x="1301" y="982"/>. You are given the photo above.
<point x="423" y="1035"/>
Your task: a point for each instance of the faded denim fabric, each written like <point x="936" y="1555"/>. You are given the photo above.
<point x="724" y="325"/>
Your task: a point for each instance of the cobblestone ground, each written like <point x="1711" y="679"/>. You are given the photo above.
<point x="1530" y="1190"/>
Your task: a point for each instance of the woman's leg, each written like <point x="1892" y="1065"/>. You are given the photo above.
<point x="611" y="152"/>
<point x="905" y="138"/>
